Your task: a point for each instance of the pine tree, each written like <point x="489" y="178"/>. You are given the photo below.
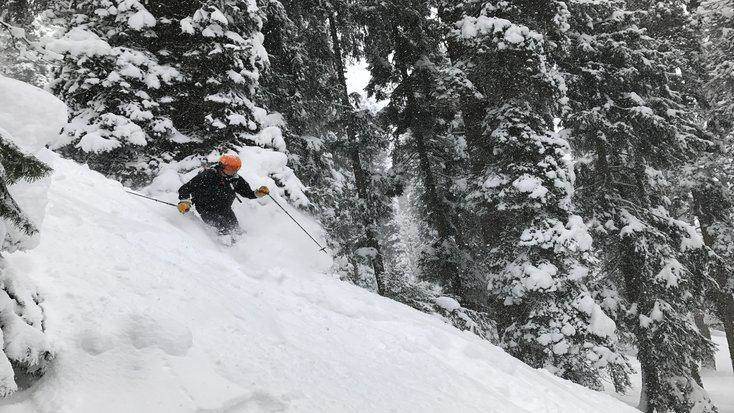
<point x="25" y="347"/>
<point x="112" y="82"/>
<point x="713" y="205"/>
<point x="358" y="130"/>
<point x="720" y="56"/>
<point x="151" y="83"/>
<point x="629" y="127"/>
<point x="297" y="41"/>
<point x="217" y="46"/>
<point x="538" y="255"/>
<point x="713" y="194"/>
<point x="679" y="34"/>
<point x="366" y="215"/>
<point x="402" y="49"/>
<point x="335" y="146"/>
<point x="19" y="57"/>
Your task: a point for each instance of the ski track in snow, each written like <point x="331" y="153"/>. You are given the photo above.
<point x="150" y="314"/>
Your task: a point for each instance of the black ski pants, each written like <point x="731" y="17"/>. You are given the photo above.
<point x="223" y="220"/>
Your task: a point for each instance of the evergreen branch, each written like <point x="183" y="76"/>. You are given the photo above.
<point x="10" y="211"/>
<point x="19" y="165"/>
<point x="14" y="38"/>
<point x="9" y="28"/>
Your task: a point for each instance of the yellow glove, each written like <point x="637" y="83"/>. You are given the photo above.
<point x="184" y="206"/>
<point x="262" y="191"/>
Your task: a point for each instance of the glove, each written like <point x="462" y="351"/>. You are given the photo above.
<point x="184" y="206"/>
<point x="262" y="191"/>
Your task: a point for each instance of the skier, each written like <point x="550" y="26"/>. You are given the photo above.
<point x="214" y="190"/>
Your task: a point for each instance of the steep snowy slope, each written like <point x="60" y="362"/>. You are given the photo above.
<point x="149" y="313"/>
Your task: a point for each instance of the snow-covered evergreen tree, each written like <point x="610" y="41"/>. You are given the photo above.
<point x="713" y="173"/>
<point x="150" y="83"/>
<point x="717" y="15"/>
<point x="334" y="145"/>
<point x="402" y="48"/>
<point x="629" y="126"/>
<point x="111" y="82"/>
<point x="19" y="55"/>
<point x="365" y="212"/>
<point x="25" y="347"/>
<point x="217" y="46"/>
<point x="537" y="256"/>
<point x="713" y="206"/>
<point x="297" y="41"/>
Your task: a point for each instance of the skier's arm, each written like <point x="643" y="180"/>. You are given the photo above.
<point x="188" y="188"/>
<point x="243" y="188"/>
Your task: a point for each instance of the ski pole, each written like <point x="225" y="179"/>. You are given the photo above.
<point x="152" y="199"/>
<point x="299" y="225"/>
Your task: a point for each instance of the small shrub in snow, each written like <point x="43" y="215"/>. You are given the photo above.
<point x="426" y="297"/>
<point x="25" y="347"/>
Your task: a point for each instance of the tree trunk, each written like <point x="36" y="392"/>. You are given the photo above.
<point x="723" y="299"/>
<point x="644" y="405"/>
<point x="472" y="115"/>
<point x="708" y="363"/>
<point x="441" y="221"/>
<point x="360" y="177"/>
<point x="728" y="320"/>
<point x="632" y="291"/>
<point x="649" y="383"/>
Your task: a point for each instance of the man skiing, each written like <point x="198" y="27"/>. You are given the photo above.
<point x="214" y="190"/>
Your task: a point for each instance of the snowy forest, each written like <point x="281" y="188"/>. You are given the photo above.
<point x="554" y="177"/>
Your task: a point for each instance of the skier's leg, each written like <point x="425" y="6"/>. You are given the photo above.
<point x="224" y="221"/>
<point x="215" y="219"/>
<point x="226" y="224"/>
<point x="230" y="223"/>
<point x="209" y="217"/>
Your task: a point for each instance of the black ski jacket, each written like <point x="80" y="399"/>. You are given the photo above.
<point x="213" y="191"/>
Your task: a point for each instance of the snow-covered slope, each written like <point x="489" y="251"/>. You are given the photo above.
<point x="149" y="313"/>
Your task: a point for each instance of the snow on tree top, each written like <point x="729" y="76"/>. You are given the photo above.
<point x="141" y="19"/>
<point x="447" y="303"/>
<point x="80" y="42"/>
<point x="218" y="16"/>
<point x="471" y="27"/>
<point x="600" y="323"/>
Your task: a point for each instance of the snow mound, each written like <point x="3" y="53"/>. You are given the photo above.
<point x="150" y="313"/>
<point x="30" y="115"/>
<point x="29" y="118"/>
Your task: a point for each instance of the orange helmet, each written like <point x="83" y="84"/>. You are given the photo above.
<point x="230" y="164"/>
